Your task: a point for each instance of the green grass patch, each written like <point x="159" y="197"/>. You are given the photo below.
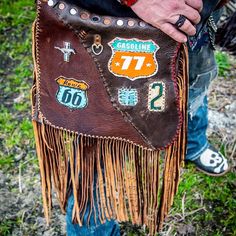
<point x="215" y="196"/>
<point x="223" y="62"/>
<point x="16" y="70"/>
<point x="6" y="227"/>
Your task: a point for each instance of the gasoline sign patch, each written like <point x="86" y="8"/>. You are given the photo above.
<point x="72" y="93"/>
<point x="133" y="58"/>
<point x="156" y="96"/>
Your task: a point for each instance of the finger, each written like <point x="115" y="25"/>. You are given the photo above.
<point x="187" y="27"/>
<point x="192" y="14"/>
<point x="196" y="4"/>
<point x="170" y="30"/>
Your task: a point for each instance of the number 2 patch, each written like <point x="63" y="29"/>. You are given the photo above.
<point x="133" y="58"/>
<point x="72" y="93"/>
<point x="156" y="96"/>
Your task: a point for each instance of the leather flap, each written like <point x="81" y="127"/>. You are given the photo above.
<point x="105" y="76"/>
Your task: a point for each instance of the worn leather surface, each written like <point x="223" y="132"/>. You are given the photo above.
<point x="104" y="115"/>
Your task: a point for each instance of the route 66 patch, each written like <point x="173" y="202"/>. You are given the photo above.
<point x="72" y="93"/>
<point x="133" y="58"/>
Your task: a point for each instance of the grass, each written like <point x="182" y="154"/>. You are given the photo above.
<point x="223" y="62"/>
<point x="207" y="204"/>
<point x="213" y="197"/>
<point x="6" y="227"/>
<point x="15" y="79"/>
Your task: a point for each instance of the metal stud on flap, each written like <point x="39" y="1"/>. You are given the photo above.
<point x="120" y="22"/>
<point x="73" y="11"/>
<point x="107" y="21"/>
<point x="84" y="15"/>
<point x="142" y="24"/>
<point x="95" y="18"/>
<point x="61" y="6"/>
<point x="131" y="23"/>
<point x="50" y="3"/>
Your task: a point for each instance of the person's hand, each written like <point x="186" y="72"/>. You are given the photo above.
<point x="163" y="14"/>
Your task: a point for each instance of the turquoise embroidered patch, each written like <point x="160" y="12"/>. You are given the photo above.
<point x="72" y="93"/>
<point x="128" y="96"/>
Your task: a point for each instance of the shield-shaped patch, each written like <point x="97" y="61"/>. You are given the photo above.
<point x="133" y="58"/>
<point x="72" y="93"/>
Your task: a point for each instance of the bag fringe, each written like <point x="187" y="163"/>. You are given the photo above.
<point x="113" y="178"/>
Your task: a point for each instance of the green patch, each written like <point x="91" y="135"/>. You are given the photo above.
<point x="6" y="227"/>
<point x="208" y="203"/>
<point x="223" y="63"/>
<point x="16" y="69"/>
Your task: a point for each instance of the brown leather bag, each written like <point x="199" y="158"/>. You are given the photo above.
<point x="109" y="113"/>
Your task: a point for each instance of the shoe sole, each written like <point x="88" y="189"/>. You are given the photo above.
<point x="215" y="175"/>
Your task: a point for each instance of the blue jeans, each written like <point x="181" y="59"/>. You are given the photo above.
<point x="109" y="228"/>
<point x="202" y="71"/>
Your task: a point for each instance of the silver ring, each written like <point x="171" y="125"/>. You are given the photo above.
<point x="180" y="22"/>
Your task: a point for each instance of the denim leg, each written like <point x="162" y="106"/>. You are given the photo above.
<point x="109" y="228"/>
<point x="202" y="70"/>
